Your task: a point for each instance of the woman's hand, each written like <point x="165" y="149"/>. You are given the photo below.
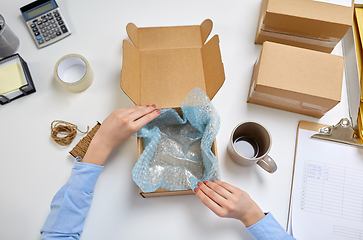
<point x="228" y="201"/>
<point x="115" y="129"/>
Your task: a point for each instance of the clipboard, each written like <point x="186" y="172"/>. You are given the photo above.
<point x="342" y="132"/>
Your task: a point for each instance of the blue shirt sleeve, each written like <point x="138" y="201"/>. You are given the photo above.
<point x="71" y="203"/>
<point x="268" y="229"/>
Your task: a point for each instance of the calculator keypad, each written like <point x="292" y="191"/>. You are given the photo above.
<point x="47" y="27"/>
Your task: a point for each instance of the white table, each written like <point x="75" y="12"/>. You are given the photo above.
<point x="33" y="167"/>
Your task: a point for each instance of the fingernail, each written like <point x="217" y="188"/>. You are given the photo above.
<point x="158" y="111"/>
<point x="199" y="184"/>
<point x="154" y="106"/>
<point x="196" y="190"/>
<point x="147" y="105"/>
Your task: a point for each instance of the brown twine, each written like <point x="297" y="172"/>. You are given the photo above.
<point x="82" y="146"/>
<point x="66" y="131"/>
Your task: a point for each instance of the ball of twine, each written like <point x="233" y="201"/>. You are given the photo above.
<point x="63" y="132"/>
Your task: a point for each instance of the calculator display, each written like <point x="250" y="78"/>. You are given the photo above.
<point x="40" y="10"/>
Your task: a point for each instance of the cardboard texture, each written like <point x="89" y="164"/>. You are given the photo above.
<point x="303" y="23"/>
<point x="297" y="80"/>
<point x="161" y="65"/>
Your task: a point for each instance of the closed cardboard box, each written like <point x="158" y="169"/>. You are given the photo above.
<point x="308" y="24"/>
<point x="296" y="79"/>
<point x="163" y="64"/>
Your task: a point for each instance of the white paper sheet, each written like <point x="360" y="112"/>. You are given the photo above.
<point x="327" y="195"/>
<point x="346" y="3"/>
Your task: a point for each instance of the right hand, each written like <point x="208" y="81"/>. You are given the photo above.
<point x="228" y="201"/>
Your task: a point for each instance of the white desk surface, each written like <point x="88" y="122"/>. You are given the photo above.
<point x="33" y="168"/>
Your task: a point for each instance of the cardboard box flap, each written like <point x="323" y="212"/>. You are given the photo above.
<point x="133" y="33"/>
<point x="314" y="19"/>
<point x="162" y="69"/>
<point x="205" y="29"/>
<point x="213" y="66"/>
<point x="152" y="38"/>
<point x="131" y="72"/>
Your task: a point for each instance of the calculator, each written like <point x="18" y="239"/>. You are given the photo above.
<point x="45" y="22"/>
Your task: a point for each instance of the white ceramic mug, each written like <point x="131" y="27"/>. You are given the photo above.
<point x="250" y="144"/>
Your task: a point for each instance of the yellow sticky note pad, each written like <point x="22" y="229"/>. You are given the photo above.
<point x="11" y="78"/>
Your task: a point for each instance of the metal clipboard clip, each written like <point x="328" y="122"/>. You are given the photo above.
<point x="342" y="132"/>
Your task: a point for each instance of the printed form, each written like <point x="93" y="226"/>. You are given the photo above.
<point x="327" y="193"/>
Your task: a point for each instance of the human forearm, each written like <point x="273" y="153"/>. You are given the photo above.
<point x="97" y="153"/>
<point x="252" y="216"/>
<point x="71" y="203"/>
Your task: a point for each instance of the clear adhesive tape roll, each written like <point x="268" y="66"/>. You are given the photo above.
<point x="74" y="73"/>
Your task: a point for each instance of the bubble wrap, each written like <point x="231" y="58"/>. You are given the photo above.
<point x="177" y="151"/>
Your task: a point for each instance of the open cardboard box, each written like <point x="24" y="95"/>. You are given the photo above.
<point x="308" y="24"/>
<point x="163" y="64"/>
<point x="296" y="79"/>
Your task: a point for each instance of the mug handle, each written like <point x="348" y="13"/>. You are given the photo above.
<point x="268" y="164"/>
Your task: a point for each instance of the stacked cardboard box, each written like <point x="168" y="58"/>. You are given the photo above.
<point x="296" y="73"/>
<point x="296" y="79"/>
<point x="304" y="23"/>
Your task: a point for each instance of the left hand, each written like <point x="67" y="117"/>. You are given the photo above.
<point x="116" y="128"/>
<point x="228" y="201"/>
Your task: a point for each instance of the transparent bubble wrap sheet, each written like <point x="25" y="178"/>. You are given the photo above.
<point x="177" y="151"/>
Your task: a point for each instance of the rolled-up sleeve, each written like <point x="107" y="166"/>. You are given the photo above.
<point x="71" y="203"/>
